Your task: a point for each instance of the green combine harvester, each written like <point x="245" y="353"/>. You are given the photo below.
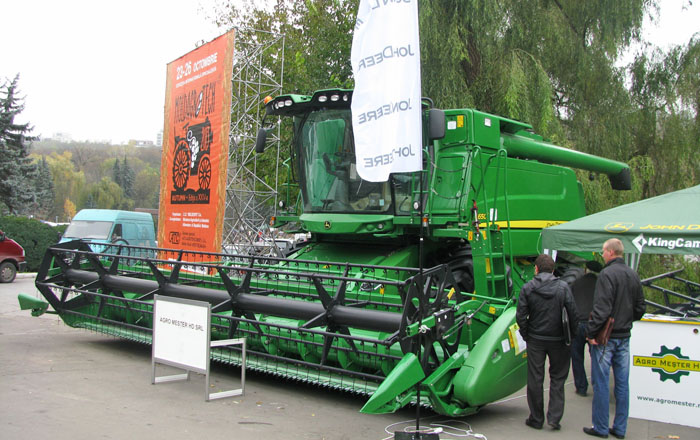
<point x="405" y="292"/>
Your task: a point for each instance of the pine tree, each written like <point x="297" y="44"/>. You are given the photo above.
<point x="128" y="177"/>
<point x="90" y="201"/>
<point x="117" y="172"/>
<point x="17" y="172"/>
<point x="44" y="189"/>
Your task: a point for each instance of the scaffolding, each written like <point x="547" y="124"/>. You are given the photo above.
<point x="258" y="71"/>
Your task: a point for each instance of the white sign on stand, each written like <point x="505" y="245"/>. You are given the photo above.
<point x="181" y="339"/>
<point x="665" y="370"/>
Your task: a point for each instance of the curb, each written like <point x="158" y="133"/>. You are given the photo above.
<point x="26" y="275"/>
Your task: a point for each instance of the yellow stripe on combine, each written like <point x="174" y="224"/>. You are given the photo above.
<point x="526" y="224"/>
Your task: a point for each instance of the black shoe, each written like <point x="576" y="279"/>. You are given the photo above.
<point x="529" y="422"/>
<point x="616" y="435"/>
<point x="581" y="393"/>
<point x="593" y="432"/>
<point x="555" y="426"/>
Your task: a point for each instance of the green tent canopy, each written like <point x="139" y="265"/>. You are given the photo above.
<point x="666" y="224"/>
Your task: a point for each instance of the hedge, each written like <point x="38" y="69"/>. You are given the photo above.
<point x="33" y="235"/>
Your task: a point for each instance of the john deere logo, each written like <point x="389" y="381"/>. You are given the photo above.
<point x="618" y="227"/>
<point x="327" y="224"/>
<point x="670" y="364"/>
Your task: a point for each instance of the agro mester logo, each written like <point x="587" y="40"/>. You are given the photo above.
<point x="670" y="364"/>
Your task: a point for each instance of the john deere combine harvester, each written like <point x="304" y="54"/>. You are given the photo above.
<point x="405" y="285"/>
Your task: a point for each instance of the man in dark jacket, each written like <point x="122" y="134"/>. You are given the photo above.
<point x="539" y="316"/>
<point x="582" y="290"/>
<point x="618" y="293"/>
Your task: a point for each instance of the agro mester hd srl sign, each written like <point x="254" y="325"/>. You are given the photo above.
<point x="665" y="370"/>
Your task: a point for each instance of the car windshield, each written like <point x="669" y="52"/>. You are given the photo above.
<point x="329" y="180"/>
<point x="87" y="229"/>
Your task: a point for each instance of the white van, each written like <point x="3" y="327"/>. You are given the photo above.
<point x="109" y="226"/>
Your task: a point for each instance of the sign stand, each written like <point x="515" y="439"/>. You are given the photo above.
<point x="231" y="393"/>
<point x="181" y="339"/>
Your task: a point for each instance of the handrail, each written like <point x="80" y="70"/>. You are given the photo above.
<point x="688" y="308"/>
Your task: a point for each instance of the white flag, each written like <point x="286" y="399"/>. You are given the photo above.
<point x="386" y="105"/>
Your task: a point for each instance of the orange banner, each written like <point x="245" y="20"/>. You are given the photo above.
<point x="195" y="147"/>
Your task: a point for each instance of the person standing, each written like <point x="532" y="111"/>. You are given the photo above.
<point x="582" y="290"/>
<point x="618" y="293"/>
<point x="539" y="317"/>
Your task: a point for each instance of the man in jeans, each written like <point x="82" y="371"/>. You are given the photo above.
<point x="539" y="316"/>
<point x="618" y="293"/>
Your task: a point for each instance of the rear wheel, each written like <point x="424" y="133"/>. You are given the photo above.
<point x="8" y="272"/>
<point x="204" y="173"/>
<point x="181" y="165"/>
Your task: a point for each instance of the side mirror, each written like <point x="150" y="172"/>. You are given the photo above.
<point x="436" y="124"/>
<point x="260" y="141"/>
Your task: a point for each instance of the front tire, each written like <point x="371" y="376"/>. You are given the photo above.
<point x="8" y="272"/>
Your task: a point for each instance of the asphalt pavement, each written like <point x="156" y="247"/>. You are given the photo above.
<point x="62" y="383"/>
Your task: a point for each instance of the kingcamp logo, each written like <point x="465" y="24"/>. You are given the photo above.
<point x="670" y="364"/>
<point x="668" y="243"/>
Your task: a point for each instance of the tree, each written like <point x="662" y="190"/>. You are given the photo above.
<point x="666" y="123"/>
<point x="68" y="210"/>
<point x="78" y="168"/>
<point x="318" y="36"/>
<point x="146" y="188"/>
<point x="127" y="179"/>
<point x="108" y="195"/>
<point x="16" y="168"/>
<point x="44" y="190"/>
<point x="68" y="183"/>
<point x="84" y="155"/>
<point x="550" y="63"/>
<point x="90" y="202"/>
<point x="117" y="173"/>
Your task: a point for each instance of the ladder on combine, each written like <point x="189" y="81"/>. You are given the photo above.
<point x="487" y="238"/>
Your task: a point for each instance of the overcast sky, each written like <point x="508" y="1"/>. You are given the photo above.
<point x="96" y="69"/>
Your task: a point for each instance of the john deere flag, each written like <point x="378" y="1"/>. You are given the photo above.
<point x="386" y="106"/>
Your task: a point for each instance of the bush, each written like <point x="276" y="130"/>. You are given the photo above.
<point x="33" y="235"/>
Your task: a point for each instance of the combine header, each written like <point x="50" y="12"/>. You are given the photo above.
<point x="404" y="285"/>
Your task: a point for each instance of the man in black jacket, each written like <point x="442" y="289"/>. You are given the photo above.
<point x="618" y="293"/>
<point x="539" y="316"/>
<point x="582" y="290"/>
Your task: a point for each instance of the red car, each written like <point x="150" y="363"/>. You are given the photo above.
<point x="11" y="259"/>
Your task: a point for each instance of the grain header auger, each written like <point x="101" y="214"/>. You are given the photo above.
<point x="403" y="286"/>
